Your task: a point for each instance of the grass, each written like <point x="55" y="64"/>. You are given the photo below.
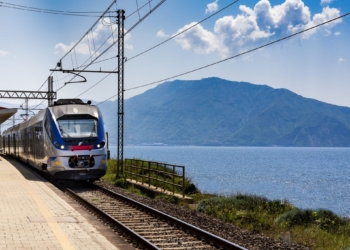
<point x="111" y="171"/>
<point x="319" y="229"/>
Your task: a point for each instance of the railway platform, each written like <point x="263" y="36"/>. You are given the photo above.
<point x="36" y="215"/>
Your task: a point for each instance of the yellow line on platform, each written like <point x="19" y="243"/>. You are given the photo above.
<point x="54" y="226"/>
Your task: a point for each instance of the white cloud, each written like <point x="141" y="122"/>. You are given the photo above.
<point x="212" y="7"/>
<point x="3" y="53"/>
<point x="93" y="40"/>
<point x="324" y="2"/>
<point x="341" y="60"/>
<point x="161" y="34"/>
<point x="198" y="39"/>
<point x="337" y="33"/>
<point x="253" y="26"/>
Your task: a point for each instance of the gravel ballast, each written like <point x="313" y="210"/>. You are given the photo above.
<point x="244" y="238"/>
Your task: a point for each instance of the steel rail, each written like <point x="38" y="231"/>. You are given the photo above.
<point x="188" y="228"/>
<point x="113" y="222"/>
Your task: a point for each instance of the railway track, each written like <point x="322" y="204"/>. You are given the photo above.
<point x="143" y="226"/>
<point x="172" y="230"/>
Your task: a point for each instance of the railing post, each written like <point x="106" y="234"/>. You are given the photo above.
<point x="173" y="179"/>
<point x="126" y="169"/>
<point x="157" y="175"/>
<point x="183" y="182"/>
<point x="142" y="173"/>
<point x="149" y="173"/>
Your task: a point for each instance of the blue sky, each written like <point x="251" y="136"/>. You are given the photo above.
<point x="315" y="64"/>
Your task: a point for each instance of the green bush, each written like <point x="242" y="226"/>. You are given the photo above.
<point x="121" y="182"/>
<point x="248" y="211"/>
<point x="244" y="202"/>
<point x="322" y="218"/>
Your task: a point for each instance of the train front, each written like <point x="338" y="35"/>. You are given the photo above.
<point x="77" y="143"/>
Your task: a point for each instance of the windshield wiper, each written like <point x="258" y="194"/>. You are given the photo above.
<point x="93" y="130"/>
<point x="63" y="132"/>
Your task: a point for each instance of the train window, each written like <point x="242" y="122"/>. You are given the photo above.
<point x="78" y="128"/>
<point x="48" y="127"/>
<point x="39" y="146"/>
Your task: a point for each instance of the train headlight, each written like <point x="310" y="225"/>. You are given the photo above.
<point x="101" y="145"/>
<point x="57" y="145"/>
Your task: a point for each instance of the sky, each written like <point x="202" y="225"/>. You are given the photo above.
<point x="314" y="64"/>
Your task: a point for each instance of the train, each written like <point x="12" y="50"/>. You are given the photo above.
<point x="66" y="140"/>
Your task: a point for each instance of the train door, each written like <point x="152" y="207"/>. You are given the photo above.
<point x="25" y="144"/>
<point x="8" y="143"/>
<point x="28" y="137"/>
<point x="14" y="144"/>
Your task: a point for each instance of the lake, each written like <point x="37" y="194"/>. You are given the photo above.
<point x="306" y="177"/>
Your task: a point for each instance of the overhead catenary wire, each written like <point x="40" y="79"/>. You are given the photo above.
<point x="96" y="83"/>
<point x="167" y="40"/>
<point x="113" y="43"/>
<point x="136" y="11"/>
<point x="159" y="43"/>
<point x="73" y="48"/>
<point x="50" y="11"/>
<point x="90" y="28"/>
<point x="3" y="4"/>
<point x="232" y="57"/>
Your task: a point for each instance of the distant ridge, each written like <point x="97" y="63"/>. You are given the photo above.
<point x="217" y="112"/>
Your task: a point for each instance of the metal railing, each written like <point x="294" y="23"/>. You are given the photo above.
<point x="161" y="174"/>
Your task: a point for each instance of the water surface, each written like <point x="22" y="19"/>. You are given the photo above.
<point x="307" y="177"/>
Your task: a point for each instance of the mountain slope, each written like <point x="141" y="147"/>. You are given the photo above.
<point x="214" y="111"/>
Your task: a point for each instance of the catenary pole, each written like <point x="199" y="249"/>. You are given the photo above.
<point x="121" y="18"/>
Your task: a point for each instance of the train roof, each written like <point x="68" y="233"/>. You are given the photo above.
<point x="70" y="101"/>
<point x="6" y="114"/>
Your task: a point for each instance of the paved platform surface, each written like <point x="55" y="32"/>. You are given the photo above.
<point x="34" y="216"/>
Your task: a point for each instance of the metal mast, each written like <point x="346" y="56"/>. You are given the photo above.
<point x="121" y="18"/>
<point x="50" y="96"/>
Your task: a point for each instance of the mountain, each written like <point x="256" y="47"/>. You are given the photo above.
<point x="218" y="112"/>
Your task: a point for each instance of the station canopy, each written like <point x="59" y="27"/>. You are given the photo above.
<point x="6" y="113"/>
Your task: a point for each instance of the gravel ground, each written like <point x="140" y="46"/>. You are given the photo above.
<point x="227" y="231"/>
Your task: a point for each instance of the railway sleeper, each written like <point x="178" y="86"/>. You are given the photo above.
<point x="150" y="224"/>
<point x="172" y="236"/>
<point x="147" y="228"/>
<point x="139" y="219"/>
<point x="186" y="248"/>
<point x="144" y="224"/>
<point x="150" y="233"/>
<point x="128" y="217"/>
<point x="181" y="241"/>
<point x="173" y="244"/>
<point x="126" y="214"/>
<point x="123" y="208"/>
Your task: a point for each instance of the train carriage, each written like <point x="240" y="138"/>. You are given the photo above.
<point x="67" y="140"/>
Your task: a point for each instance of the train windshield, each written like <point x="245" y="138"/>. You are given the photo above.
<point x="78" y="128"/>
